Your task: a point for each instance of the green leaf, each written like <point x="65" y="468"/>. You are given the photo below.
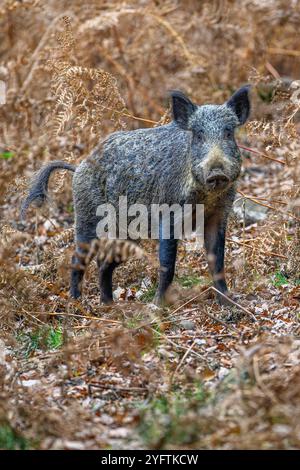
<point x="10" y="440"/>
<point x="280" y="280"/>
<point x="6" y="155"/>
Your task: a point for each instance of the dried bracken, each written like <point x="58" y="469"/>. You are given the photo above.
<point x="84" y="96"/>
<point x="80" y="375"/>
<point x="107" y="250"/>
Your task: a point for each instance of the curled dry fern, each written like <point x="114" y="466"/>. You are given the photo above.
<point x="84" y="96"/>
<point x="107" y="250"/>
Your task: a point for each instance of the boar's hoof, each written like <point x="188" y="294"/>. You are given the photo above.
<point x="159" y="300"/>
<point x="75" y="293"/>
<point x="164" y="300"/>
<point x="226" y="301"/>
<point x="106" y="300"/>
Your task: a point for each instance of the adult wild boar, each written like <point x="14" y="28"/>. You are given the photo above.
<point x="192" y="160"/>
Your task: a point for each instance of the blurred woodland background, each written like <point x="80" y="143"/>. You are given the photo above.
<point x="78" y="375"/>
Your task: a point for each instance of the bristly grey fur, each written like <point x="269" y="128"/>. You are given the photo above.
<point x="156" y="165"/>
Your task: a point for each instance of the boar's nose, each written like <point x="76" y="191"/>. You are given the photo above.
<point x="216" y="180"/>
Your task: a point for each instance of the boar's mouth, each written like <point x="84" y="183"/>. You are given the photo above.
<point x="216" y="180"/>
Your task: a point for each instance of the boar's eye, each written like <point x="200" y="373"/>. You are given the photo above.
<point x="228" y="133"/>
<point x="199" y="136"/>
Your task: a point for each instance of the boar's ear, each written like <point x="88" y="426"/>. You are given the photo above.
<point x="182" y="108"/>
<point x="240" y="104"/>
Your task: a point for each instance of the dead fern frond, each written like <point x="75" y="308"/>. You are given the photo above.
<point x="66" y="38"/>
<point x="165" y="119"/>
<point x="62" y="239"/>
<point x="108" y="250"/>
<point x="84" y="96"/>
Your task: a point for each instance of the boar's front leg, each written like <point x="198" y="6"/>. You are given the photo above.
<point x="214" y="240"/>
<point x="167" y="260"/>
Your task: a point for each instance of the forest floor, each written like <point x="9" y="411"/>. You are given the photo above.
<point x="193" y="375"/>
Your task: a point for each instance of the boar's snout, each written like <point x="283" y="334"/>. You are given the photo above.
<point x="216" y="179"/>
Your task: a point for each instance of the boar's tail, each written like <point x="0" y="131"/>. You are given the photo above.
<point x="39" y="187"/>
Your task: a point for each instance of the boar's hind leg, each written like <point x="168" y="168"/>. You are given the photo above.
<point x="106" y="270"/>
<point x="167" y="260"/>
<point x="77" y="274"/>
<point x="83" y="239"/>
<point x="214" y="238"/>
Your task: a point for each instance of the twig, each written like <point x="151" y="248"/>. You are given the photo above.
<point x="253" y="199"/>
<point x="268" y="253"/>
<point x="139" y="118"/>
<point x="274" y="200"/>
<point x="182" y="314"/>
<point x="190" y="57"/>
<point x="32" y="316"/>
<point x="280" y="51"/>
<point x="234" y="303"/>
<point x="224" y="323"/>
<point x="116" y="388"/>
<point x="27" y="313"/>
<point x="261" y="154"/>
<point x="42" y="43"/>
<point x="272" y="71"/>
<point x="177" y="345"/>
<point x="223" y="295"/>
<point x="189" y="301"/>
<point x="182" y="359"/>
<point x="9" y="146"/>
<point x="81" y="327"/>
<point x="88" y="317"/>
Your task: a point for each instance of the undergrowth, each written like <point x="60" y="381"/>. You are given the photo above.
<point x="71" y="371"/>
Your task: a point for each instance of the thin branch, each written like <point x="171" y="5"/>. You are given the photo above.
<point x="250" y="314"/>
<point x="42" y="43"/>
<point x="268" y="253"/>
<point x="257" y="152"/>
<point x="224" y="323"/>
<point x="177" y="345"/>
<point x="280" y="51"/>
<point x="139" y="118"/>
<point x="187" y="352"/>
<point x="88" y="317"/>
<point x="116" y="388"/>
<point x="253" y="199"/>
<point x="274" y="200"/>
<point x="189" y="301"/>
